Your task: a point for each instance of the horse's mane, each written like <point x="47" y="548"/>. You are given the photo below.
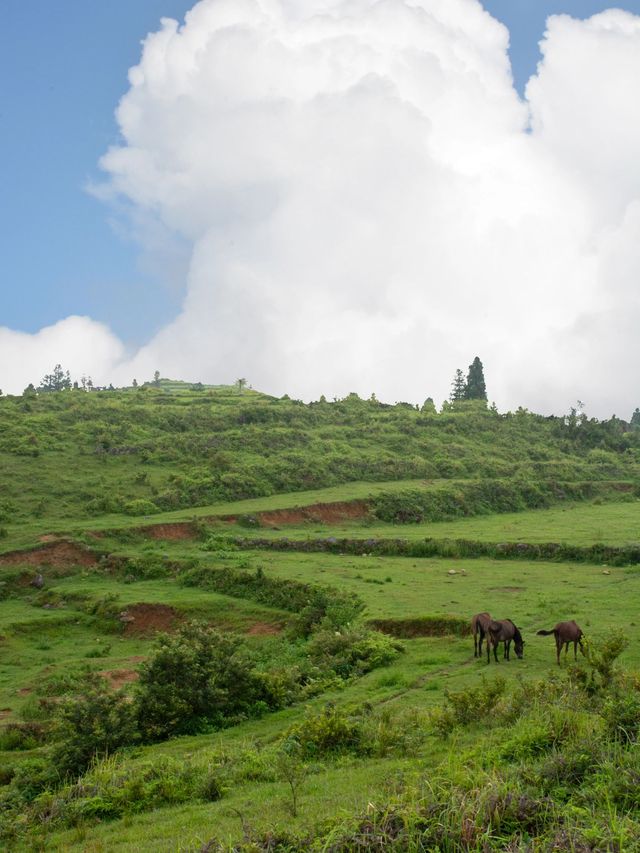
<point x="517" y="636"/>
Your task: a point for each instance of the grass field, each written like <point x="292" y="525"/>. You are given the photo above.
<point x="102" y="612"/>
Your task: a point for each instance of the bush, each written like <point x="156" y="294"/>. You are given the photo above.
<point x="22" y="736"/>
<point x="94" y="724"/>
<point x="352" y="651"/>
<point x="140" y="506"/>
<point x="330" y="731"/>
<point x="196" y="678"/>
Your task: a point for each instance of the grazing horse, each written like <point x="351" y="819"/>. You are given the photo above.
<point x="565" y="633"/>
<point x="503" y="631"/>
<point x="479" y="625"/>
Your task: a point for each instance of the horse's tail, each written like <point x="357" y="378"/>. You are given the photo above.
<point x="544" y="633"/>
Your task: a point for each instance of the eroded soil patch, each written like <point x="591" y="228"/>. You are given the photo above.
<point x="176" y="531"/>
<point x="329" y="513"/>
<point x="60" y="554"/>
<point x="142" y="619"/>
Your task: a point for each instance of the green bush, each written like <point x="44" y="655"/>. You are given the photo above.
<point x="352" y="651"/>
<point x="140" y="506"/>
<point x="91" y="725"/>
<point x="194" y="679"/>
<point x="330" y="731"/>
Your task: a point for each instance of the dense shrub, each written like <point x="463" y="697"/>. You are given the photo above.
<point x="352" y="651"/>
<point x="93" y="724"/>
<point x="194" y="679"/>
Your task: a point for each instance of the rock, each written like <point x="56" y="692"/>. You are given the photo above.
<point x="606" y="572"/>
<point x="452" y="572"/>
<point x="37" y="582"/>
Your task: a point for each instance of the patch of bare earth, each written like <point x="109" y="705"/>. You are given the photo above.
<point x="176" y="531"/>
<point x="141" y="619"/>
<point x="59" y="554"/>
<point x="264" y="629"/>
<point x="117" y="678"/>
<point x="4" y="713"/>
<point x="315" y="513"/>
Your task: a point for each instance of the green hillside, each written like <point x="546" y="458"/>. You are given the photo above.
<point x="232" y="622"/>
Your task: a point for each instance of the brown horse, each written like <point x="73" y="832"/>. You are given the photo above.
<point x="479" y="625"/>
<point x="504" y="631"/>
<point x="565" y="633"/>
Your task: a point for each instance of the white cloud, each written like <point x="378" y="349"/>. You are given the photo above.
<point x="370" y="204"/>
<point x="74" y="341"/>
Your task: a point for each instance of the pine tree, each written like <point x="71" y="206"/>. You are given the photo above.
<point x="635" y="419"/>
<point x="475" y="388"/>
<point x="458" y="387"/>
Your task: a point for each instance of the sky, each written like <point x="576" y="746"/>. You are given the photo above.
<point x="360" y="198"/>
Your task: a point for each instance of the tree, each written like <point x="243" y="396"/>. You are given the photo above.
<point x="59" y="380"/>
<point x="156" y="378"/>
<point x="458" y="387"/>
<point x="240" y="384"/>
<point x="429" y="406"/>
<point x="134" y="384"/>
<point x="475" y="388"/>
<point x="635" y="419"/>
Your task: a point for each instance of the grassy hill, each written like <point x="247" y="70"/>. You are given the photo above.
<point x="292" y="534"/>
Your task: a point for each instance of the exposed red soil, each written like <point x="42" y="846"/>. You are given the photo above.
<point x="328" y="513"/>
<point x="264" y="629"/>
<point x="48" y="537"/>
<point x="60" y="554"/>
<point x="315" y="513"/>
<point x="25" y="691"/>
<point x="177" y="530"/>
<point x="118" y="677"/>
<point x="141" y="619"/>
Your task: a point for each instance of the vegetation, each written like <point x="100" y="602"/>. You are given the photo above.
<point x="232" y="622"/>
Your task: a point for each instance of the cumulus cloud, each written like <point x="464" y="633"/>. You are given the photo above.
<point x="73" y="341"/>
<point x="369" y="203"/>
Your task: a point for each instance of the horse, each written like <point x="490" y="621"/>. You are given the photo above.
<point x="504" y="631"/>
<point x="479" y="625"/>
<point x="565" y="633"/>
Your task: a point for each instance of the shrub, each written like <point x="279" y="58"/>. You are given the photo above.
<point x="194" y="679"/>
<point x="352" y="651"/>
<point x="22" y="736"/>
<point x="330" y="731"/>
<point x="93" y="724"/>
<point x="140" y="506"/>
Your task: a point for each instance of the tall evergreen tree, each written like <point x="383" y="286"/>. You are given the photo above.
<point x="475" y="387"/>
<point x="458" y="387"/>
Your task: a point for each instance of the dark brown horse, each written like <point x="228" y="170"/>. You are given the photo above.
<point x="479" y="625"/>
<point x="503" y="631"/>
<point x="565" y="633"/>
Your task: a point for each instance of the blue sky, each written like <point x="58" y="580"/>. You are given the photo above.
<point x="64" y="67"/>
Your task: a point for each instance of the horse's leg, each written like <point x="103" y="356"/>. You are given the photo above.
<point x="558" y="648"/>
<point x="495" y="651"/>
<point x="507" y="644"/>
<point x="575" y="650"/>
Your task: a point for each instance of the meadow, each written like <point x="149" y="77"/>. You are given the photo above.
<point x="354" y="738"/>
